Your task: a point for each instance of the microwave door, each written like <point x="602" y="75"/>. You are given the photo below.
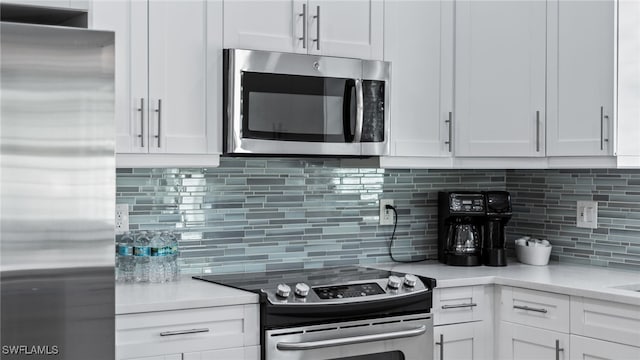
<point x="295" y="114"/>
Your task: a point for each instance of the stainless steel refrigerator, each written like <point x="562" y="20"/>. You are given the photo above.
<point x="57" y="193"/>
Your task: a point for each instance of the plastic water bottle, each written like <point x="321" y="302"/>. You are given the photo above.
<point x="157" y="264"/>
<point x="173" y="257"/>
<point x="125" y="258"/>
<point x="168" y="271"/>
<point x="141" y="252"/>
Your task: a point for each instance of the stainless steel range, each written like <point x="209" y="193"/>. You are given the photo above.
<point x="346" y="313"/>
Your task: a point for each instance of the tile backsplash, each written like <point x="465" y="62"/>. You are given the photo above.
<point x="255" y="214"/>
<point x="545" y="206"/>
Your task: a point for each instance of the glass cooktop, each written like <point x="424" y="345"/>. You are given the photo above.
<point x="312" y="277"/>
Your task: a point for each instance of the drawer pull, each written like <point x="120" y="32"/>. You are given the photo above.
<point x="457" y="306"/>
<point x="184" y="332"/>
<point x="544" y="311"/>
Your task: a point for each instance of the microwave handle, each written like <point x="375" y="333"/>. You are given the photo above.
<point x="346" y="110"/>
<point x="359" y="111"/>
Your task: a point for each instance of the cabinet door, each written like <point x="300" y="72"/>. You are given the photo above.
<point x="346" y="28"/>
<point x="177" y="81"/>
<point x="128" y="19"/>
<point x="418" y="41"/>
<point x="580" y="120"/>
<point x="73" y="4"/>
<point x="161" y="357"/>
<point x="500" y="78"/>
<point x="270" y="25"/>
<point x="465" y="341"/>
<point x="628" y="126"/>
<point x="521" y="342"/>
<point x="583" y="348"/>
<point x="246" y="353"/>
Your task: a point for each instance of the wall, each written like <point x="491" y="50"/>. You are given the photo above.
<point x="267" y="214"/>
<point x="545" y="207"/>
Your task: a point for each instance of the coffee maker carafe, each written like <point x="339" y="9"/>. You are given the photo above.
<point x="498" y="205"/>
<point x="461" y="216"/>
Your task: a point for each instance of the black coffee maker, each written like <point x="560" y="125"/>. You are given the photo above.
<point x="498" y="204"/>
<point x="461" y="219"/>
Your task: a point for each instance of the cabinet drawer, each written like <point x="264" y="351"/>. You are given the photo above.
<point x="586" y="348"/>
<point x="535" y="308"/>
<point x="156" y="333"/>
<point x="460" y="304"/>
<point x="605" y="320"/>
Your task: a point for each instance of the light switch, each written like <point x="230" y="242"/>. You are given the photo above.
<point x="587" y="214"/>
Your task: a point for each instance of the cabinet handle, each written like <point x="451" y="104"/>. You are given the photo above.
<point x="558" y="349"/>
<point x="457" y="306"/>
<point x="159" y="111"/>
<point x="304" y="26"/>
<point x="602" y="119"/>
<point x="448" y="121"/>
<point x="141" y="109"/>
<point x="538" y="131"/>
<point x="544" y="311"/>
<point x="317" y="17"/>
<point x="184" y="332"/>
<point x="441" y="343"/>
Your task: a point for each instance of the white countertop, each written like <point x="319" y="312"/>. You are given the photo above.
<point x="185" y="293"/>
<point x="577" y="280"/>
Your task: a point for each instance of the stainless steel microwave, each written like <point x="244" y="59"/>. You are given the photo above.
<point x="296" y="104"/>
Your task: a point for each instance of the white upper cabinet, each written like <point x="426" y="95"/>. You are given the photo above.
<point x="500" y="78"/>
<point x="628" y="126"/>
<point x="128" y="20"/>
<point x="418" y="42"/>
<point x="581" y="78"/>
<point x="165" y="53"/>
<point x="346" y="28"/>
<point x="270" y="25"/>
<point x="177" y="85"/>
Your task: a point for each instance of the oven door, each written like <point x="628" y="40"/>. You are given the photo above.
<point x="300" y="104"/>
<point x="395" y="338"/>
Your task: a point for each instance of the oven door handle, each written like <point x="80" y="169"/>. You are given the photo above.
<point x="309" y="345"/>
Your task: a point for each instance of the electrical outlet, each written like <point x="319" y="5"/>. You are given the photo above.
<point x="587" y="214"/>
<point x="386" y="215"/>
<point x="122" y="218"/>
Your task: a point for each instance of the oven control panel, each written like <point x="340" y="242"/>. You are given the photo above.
<point x="348" y="291"/>
<point x="353" y="291"/>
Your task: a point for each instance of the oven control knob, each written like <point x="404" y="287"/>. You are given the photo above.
<point x="302" y="289"/>
<point x="283" y="290"/>
<point x="410" y="280"/>
<point x="394" y="282"/>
